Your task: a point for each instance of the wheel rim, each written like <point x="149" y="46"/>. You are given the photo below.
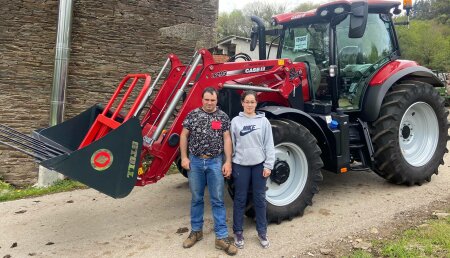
<point x="418" y="134"/>
<point x="287" y="192"/>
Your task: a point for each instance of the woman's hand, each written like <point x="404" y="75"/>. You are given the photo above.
<point x="226" y="170"/>
<point x="266" y="172"/>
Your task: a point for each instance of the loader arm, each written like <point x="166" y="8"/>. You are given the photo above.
<point x="273" y="78"/>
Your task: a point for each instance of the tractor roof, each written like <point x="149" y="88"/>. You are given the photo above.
<point x="324" y="10"/>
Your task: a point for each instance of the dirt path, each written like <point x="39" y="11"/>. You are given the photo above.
<point x="86" y="223"/>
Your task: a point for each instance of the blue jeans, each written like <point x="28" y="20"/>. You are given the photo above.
<point x="243" y="178"/>
<point x="207" y="172"/>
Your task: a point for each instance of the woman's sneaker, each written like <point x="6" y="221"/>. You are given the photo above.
<point x="264" y="241"/>
<point x="239" y="240"/>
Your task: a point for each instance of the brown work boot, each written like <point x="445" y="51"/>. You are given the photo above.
<point x="227" y="245"/>
<point x="193" y="238"/>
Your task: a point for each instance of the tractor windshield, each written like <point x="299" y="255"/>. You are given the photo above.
<point x="358" y="58"/>
<point x="309" y="44"/>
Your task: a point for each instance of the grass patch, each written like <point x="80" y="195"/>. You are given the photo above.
<point x="430" y="240"/>
<point x="9" y="192"/>
<point x="173" y="169"/>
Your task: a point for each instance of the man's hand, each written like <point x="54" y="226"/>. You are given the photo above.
<point x="266" y="172"/>
<point x="186" y="163"/>
<point x="226" y="169"/>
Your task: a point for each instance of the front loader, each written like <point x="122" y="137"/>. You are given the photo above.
<point x="338" y="97"/>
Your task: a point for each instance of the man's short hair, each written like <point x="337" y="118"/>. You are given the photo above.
<point x="211" y="91"/>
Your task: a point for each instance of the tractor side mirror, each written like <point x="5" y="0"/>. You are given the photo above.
<point x="358" y="19"/>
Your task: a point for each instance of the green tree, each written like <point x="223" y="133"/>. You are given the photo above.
<point x="306" y="6"/>
<point x="422" y="10"/>
<point x="441" y="11"/>
<point x="373" y="56"/>
<point x="426" y="42"/>
<point x="238" y="22"/>
<point x="438" y="10"/>
<point x="234" y="23"/>
<point x="264" y="11"/>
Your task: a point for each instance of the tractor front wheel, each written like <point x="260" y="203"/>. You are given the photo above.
<point x="296" y="174"/>
<point x="410" y="135"/>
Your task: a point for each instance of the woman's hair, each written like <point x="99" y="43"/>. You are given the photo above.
<point x="249" y="92"/>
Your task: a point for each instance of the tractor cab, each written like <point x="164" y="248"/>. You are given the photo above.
<point x="343" y="44"/>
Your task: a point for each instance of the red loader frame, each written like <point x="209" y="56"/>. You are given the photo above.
<point x="278" y="84"/>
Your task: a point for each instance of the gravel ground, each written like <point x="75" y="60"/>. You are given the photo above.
<point x="85" y="223"/>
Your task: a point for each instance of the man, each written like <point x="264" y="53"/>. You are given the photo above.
<point x="206" y="134"/>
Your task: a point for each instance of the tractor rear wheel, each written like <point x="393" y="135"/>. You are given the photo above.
<point x="410" y="135"/>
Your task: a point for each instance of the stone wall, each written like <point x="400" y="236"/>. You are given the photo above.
<point x="109" y="40"/>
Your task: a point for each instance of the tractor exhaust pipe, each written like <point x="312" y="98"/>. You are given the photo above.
<point x="261" y="30"/>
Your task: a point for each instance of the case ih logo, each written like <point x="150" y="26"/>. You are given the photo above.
<point x="101" y="159"/>
<point x="257" y="69"/>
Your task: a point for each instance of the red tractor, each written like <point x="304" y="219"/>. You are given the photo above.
<point x="338" y="96"/>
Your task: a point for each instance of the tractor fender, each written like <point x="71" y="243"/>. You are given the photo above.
<point x="304" y="119"/>
<point x="379" y="86"/>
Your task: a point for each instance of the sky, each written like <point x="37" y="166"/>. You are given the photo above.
<point x="229" y="5"/>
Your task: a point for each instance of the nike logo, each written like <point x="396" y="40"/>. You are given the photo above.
<point x="247" y="129"/>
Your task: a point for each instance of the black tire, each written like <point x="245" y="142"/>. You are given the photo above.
<point x="405" y="117"/>
<point x="289" y="133"/>
<point x="180" y="168"/>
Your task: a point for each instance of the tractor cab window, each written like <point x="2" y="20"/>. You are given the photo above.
<point x="309" y="44"/>
<point x="361" y="57"/>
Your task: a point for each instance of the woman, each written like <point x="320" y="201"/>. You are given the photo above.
<point x="253" y="159"/>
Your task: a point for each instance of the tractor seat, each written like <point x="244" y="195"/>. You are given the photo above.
<point x="314" y="71"/>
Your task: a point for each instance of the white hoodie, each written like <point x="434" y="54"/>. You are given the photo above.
<point x="252" y="140"/>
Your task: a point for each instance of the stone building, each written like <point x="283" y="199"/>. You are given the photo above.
<point x="109" y="40"/>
